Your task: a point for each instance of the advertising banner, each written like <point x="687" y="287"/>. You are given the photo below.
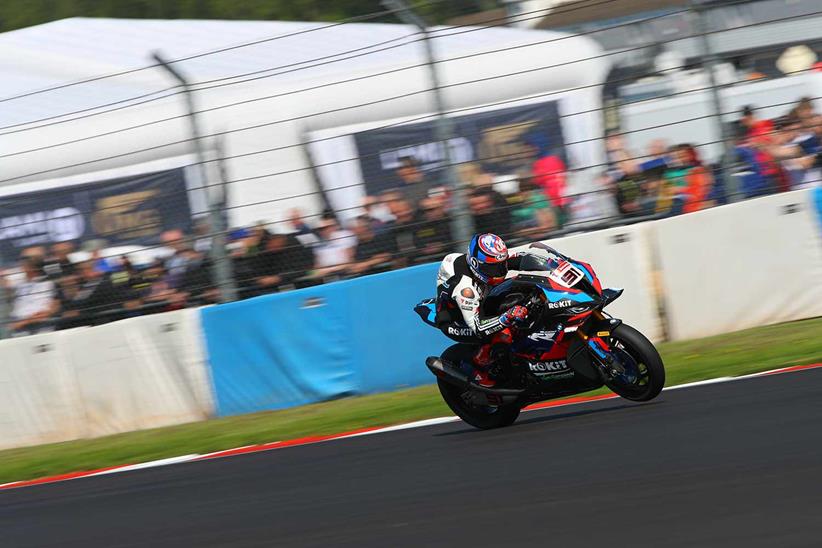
<point x="499" y="142"/>
<point x="128" y="211"/>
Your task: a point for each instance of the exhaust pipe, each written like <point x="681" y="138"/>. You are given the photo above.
<point x="446" y="371"/>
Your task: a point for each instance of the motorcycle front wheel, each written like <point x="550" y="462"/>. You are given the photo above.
<point x="484" y="417"/>
<point x="644" y="375"/>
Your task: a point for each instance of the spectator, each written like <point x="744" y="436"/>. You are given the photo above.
<point x="152" y="284"/>
<point x="304" y="233"/>
<point x="628" y="189"/>
<point x="95" y="248"/>
<point x="657" y="161"/>
<point x="202" y="236"/>
<point x="487" y="218"/>
<point x="804" y="110"/>
<point x="284" y="262"/>
<point x="432" y="237"/>
<point x="373" y="252"/>
<point x="59" y="263"/>
<point x="785" y="148"/>
<point x="549" y="175"/>
<point x="197" y="287"/>
<point x="176" y="264"/>
<point x="402" y="232"/>
<point x="377" y="213"/>
<point x="335" y="249"/>
<point x="692" y="181"/>
<point x="35" y="300"/>
<point x="532" y="216"/>
<point x="91" y="297"/>
<point x="412" y="181"/>
<point x="754" y="126"/>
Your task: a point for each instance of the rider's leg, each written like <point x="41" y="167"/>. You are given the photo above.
<point x="487" y="358"/>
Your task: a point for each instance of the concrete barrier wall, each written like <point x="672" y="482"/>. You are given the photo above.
<point x="753" y="263"/>
<point x="129" y="375"/>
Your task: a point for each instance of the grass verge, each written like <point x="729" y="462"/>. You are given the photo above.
<point x="733" y="354"/>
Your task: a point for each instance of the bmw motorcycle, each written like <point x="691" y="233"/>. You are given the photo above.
<point x="566" y="346"/>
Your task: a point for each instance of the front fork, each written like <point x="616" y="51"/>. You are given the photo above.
<point x="594" y="332"/>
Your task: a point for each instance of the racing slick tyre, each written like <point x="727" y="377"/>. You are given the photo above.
<point x="645" y="373"/>
<point x="483" y="417"/>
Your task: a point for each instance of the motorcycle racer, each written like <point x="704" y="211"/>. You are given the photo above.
<point x="463" y="281"/>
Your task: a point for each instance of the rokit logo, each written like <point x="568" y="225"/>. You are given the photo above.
<point x="559" y="304"/>
<point x="556" y="367"/>
<point x="460" y="331"/>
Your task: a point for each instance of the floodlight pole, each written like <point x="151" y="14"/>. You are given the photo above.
<point x="710" y="64"/>
<point x="223" y="275"/>
<point x="462" y="223"/>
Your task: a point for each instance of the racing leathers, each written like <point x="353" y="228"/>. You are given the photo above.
<point x="459" y="312"/>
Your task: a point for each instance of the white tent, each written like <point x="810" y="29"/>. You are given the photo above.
<point x="284" y="80"/>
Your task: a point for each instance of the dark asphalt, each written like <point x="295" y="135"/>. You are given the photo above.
<point x="733" y="464"/>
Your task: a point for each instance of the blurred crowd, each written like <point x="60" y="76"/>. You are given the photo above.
<point x="769" y="156"/>
<point x="61" y="286"/>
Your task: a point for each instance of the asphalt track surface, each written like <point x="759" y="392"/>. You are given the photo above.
<point x="731" y="464"/>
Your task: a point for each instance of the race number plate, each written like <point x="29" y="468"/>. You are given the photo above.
<point x="566" y="274"/>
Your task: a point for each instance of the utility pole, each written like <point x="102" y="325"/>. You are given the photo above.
<point x="709" y="63"/>
<point x="462" y="223"/>
<point x="223" y="275"/>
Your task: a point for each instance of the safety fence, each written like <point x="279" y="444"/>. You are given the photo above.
<point x="706" y="273"/>
<point x="305" y="153"/>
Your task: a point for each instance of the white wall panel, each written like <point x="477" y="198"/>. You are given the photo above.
<point x="38" y="395"/>
<point x="748" y="264"/>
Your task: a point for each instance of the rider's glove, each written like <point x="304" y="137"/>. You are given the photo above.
<point x="514" y="315"/>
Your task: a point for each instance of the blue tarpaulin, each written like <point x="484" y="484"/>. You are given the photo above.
<point x="354" y="337"/>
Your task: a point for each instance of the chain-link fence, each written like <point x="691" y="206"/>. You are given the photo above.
<point x="627" y="126"/>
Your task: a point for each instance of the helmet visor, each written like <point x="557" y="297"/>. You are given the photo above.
<point x="494" y="270"/>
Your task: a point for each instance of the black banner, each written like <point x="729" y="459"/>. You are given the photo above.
<point x="502" y="142"/>
<point x="127" y="211"/>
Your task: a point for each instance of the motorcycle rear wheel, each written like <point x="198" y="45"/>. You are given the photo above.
<point x="479" y="416"/>
<point x="482" y="417"/>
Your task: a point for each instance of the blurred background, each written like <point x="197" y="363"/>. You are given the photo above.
<point x="254" y="155"/>
<point x="221" y="179"/>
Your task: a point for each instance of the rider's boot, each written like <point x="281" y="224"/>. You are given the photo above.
<point x="486" y="360"/>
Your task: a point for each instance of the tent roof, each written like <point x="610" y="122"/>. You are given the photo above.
<point x="71" y="50"/>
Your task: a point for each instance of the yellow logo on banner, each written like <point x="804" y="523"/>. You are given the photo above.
<point x="122" y="215"/>
<point x="504" y="144"/>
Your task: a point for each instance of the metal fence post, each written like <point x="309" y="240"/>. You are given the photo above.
<point x="223" y="275"/>
<point x="462" y="223"/>
<point x="709" y="62"/>
<point x="5" y="308"/>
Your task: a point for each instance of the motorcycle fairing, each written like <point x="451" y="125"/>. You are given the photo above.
<point x="555" y="296"/>
<point x="427" y="310"/>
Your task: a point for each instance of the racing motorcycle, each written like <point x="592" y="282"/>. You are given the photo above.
<point x="567" y="344"/>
